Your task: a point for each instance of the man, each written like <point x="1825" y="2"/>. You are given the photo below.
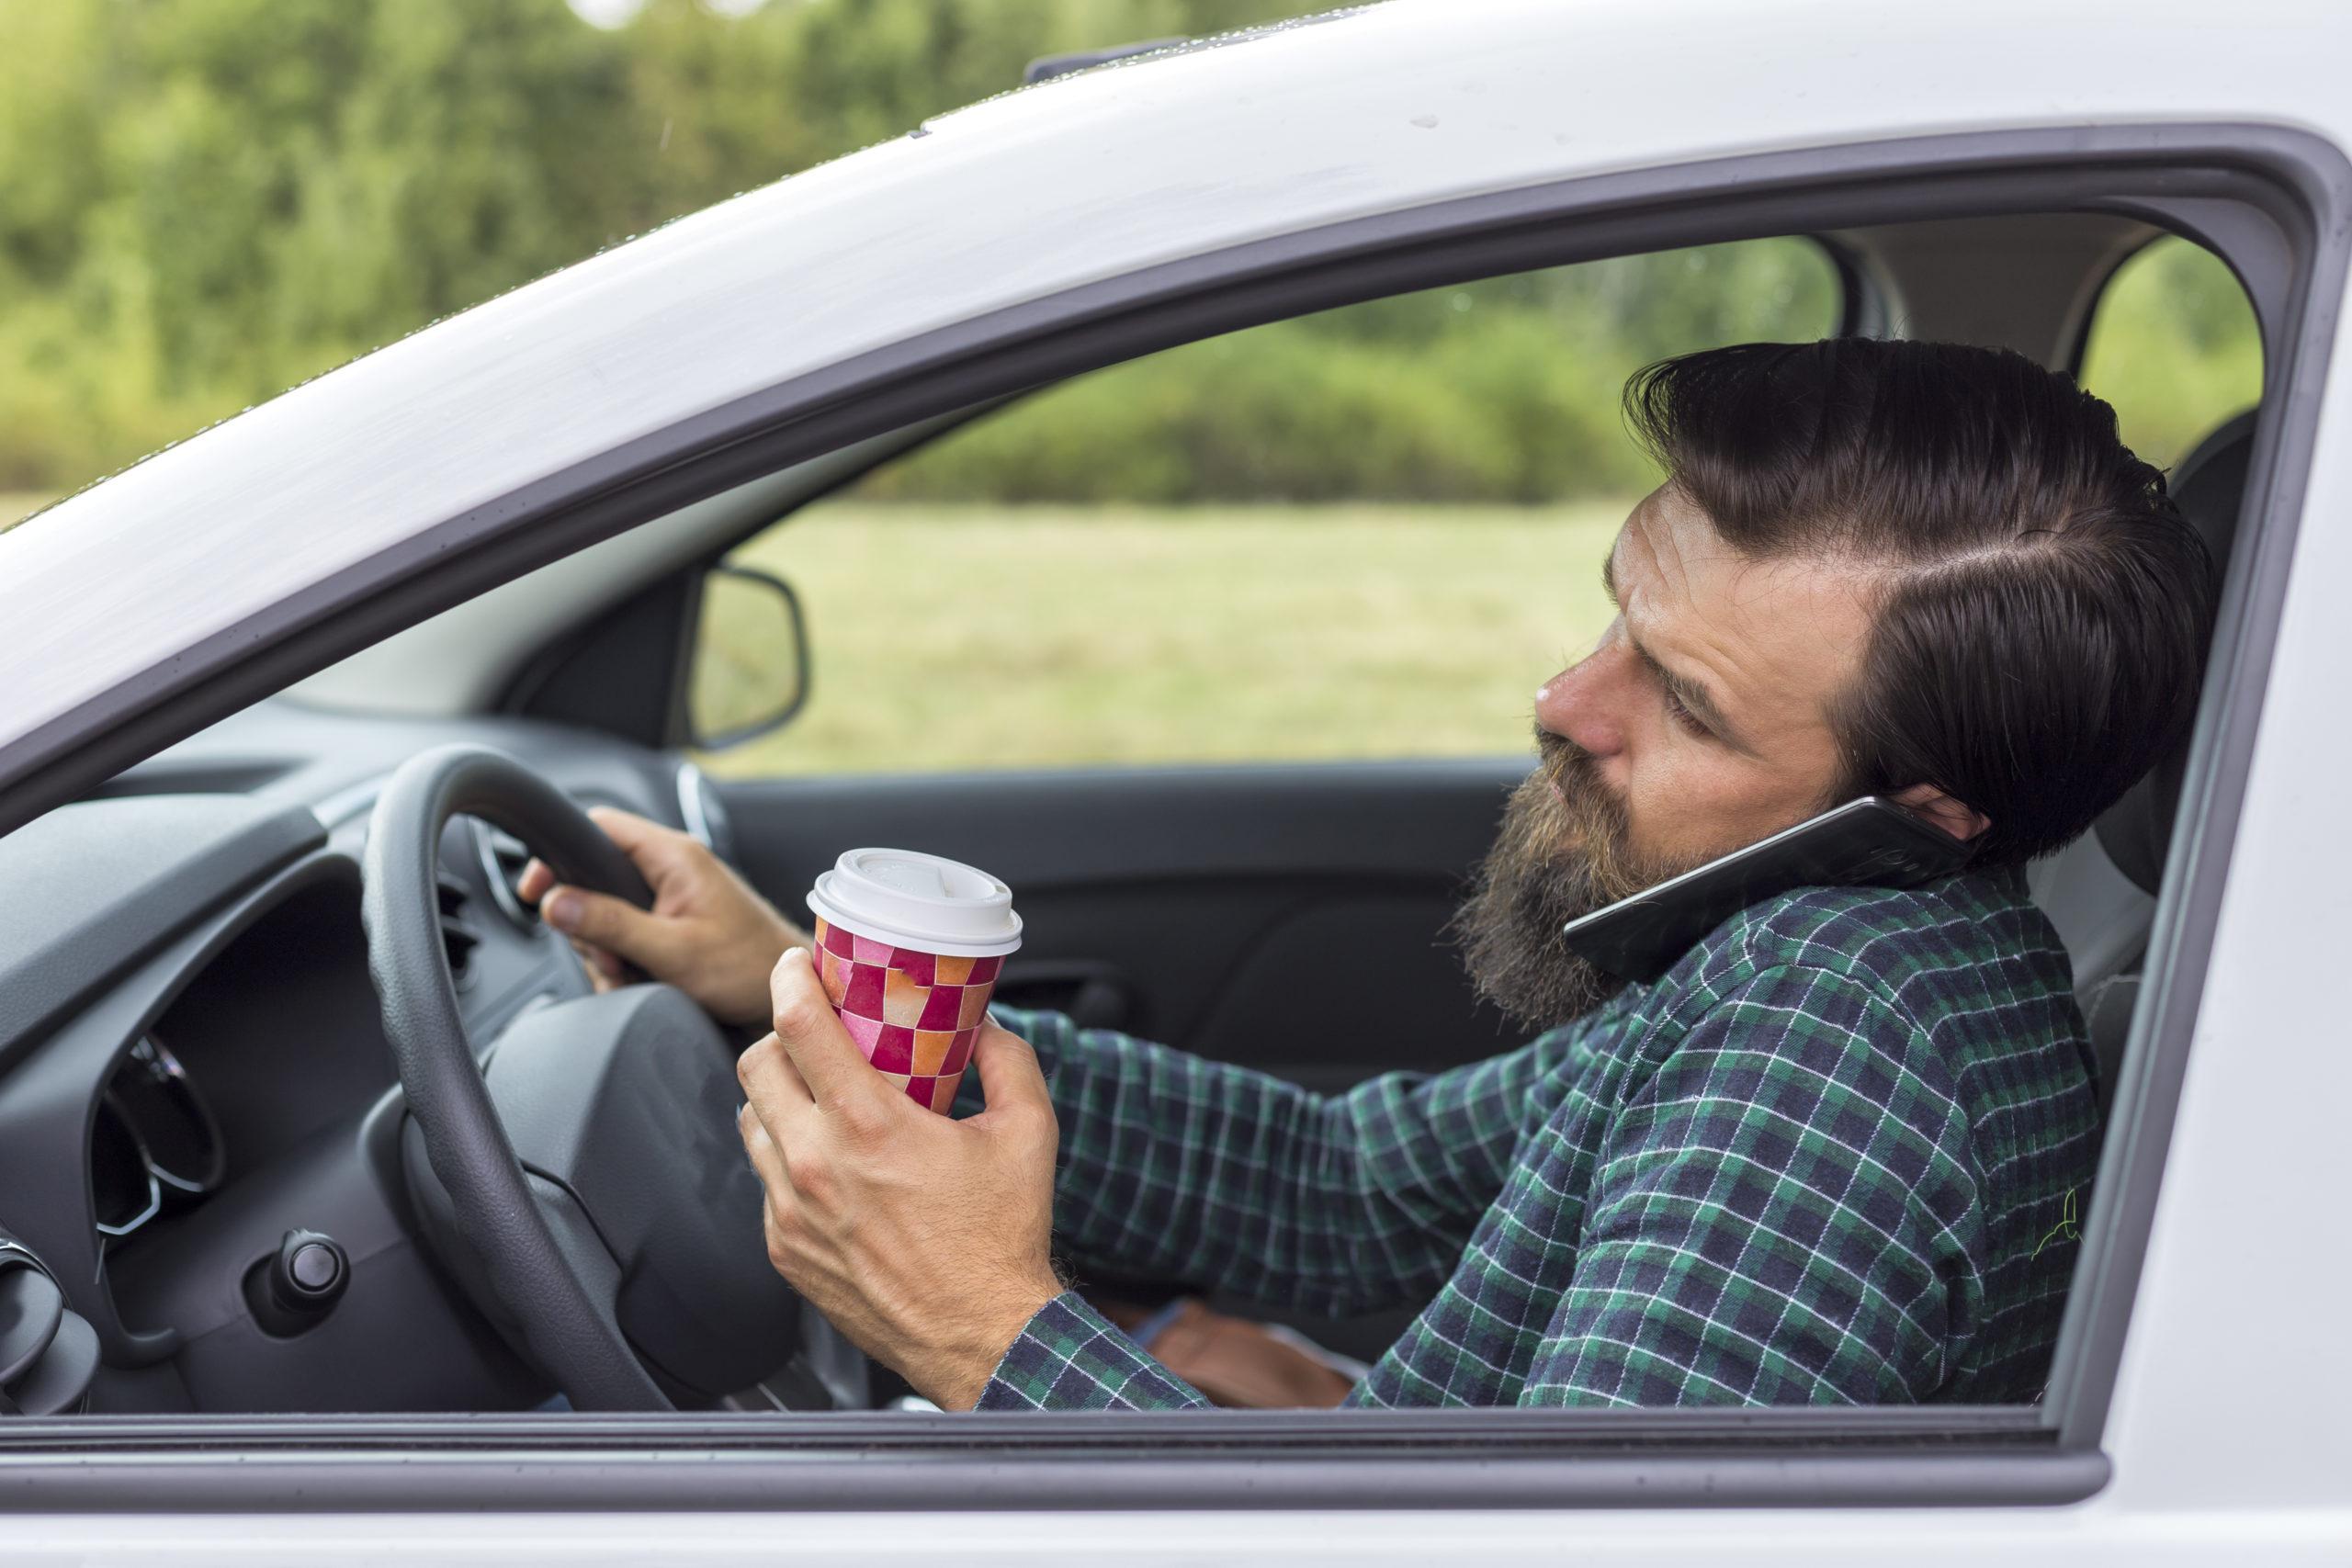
<point x="1832" y="1154"/>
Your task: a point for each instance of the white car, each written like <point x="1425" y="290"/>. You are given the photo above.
<point x="233" y="1313"/>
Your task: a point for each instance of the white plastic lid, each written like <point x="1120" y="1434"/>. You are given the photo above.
<point x="910" y="900"/>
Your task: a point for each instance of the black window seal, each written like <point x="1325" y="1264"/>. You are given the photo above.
<point x="1861" y="305"/>
<point x="2080" y="350"/>
<point x="2270" y="200"/>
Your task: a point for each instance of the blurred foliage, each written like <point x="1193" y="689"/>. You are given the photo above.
<point x="209" y="201"/>
<point x="2174" y="347"/>
<point x="1500" y="391"/>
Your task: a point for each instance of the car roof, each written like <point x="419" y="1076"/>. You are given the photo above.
<point x="188" y="561"/>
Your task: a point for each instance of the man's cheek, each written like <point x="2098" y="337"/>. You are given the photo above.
<point x="1674" y="818"/>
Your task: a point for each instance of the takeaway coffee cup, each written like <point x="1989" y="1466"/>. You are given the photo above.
<point x="908" y="947"/>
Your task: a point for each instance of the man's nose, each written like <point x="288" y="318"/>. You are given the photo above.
<point x="1584" y="702"/>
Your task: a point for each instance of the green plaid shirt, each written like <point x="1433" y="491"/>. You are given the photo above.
<point x="1833" y="1155"/>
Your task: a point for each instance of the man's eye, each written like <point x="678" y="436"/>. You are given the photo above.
<point x="1682" y="716"/>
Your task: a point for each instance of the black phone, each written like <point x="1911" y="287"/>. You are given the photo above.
<point x="1870" y="842"/>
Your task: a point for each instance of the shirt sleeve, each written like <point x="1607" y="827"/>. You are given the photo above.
<point x="1773" y="1214"/>
<point x="1071" y="1358"/>
<point x="1176" y="1167"/>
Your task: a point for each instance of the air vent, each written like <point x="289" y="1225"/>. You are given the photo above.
<point x="458" y="938"/>
<point x="48" y="1354"/>
<point x="502" y="857"/>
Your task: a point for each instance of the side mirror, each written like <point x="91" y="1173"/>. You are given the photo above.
<point x="750" y="670"/>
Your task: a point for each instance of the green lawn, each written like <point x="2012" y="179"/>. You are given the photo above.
<point x="956" y="638"/>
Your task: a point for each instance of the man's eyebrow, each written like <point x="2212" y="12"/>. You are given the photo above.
<point x="1687" y="692"/>
<point x="1692" y="695"/>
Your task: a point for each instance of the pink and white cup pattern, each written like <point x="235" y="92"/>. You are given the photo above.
<point x="909" y="947"/>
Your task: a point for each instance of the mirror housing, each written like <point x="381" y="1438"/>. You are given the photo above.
<point x="747" y="671"/>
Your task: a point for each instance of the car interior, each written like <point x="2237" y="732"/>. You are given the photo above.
<point x="211" y="1199"/>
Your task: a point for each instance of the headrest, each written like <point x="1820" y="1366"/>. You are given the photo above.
<point x="2210" y="486"/>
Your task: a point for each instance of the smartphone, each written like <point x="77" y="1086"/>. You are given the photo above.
<point x="1870" y="842"/>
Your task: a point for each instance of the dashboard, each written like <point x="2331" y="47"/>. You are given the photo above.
<point x="192" y="1071"/>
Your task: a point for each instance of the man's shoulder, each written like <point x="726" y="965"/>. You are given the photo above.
<point x="1951" y="940"/>
<point x="1873" y="1002"/>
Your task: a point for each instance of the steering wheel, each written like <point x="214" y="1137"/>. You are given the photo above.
<point x="587" y="1182"/>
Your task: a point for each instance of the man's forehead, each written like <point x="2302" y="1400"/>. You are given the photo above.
<point x="1668" y="551"/>
<point x="1759" y="634"/>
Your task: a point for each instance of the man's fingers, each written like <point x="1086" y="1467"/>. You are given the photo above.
<point x="657" y="851"/>
<point x="767" y="1158"/>
<point x="603" y="969"/>
<point x="1009" y="1076"/>
<point x="776" y="1092"/>
<point x="629" y="832"/>
<point x="812" y="1035"/>
<point x="613" y="924"/>
<point x="626" y="828"/>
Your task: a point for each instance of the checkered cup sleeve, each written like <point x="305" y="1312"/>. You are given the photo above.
<point x="915" y="1015"/>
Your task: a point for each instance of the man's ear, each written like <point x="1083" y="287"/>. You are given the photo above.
<point x="1961" y="820"/>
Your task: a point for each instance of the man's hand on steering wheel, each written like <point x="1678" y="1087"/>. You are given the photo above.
<point x="708" y="933"/>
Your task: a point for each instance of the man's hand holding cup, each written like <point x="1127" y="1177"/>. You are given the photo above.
<point x="926" y="1240"/>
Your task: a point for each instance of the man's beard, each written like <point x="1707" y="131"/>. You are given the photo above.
<point x="1556" y="857"/>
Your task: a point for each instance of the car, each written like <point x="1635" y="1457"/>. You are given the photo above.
<point x="287" y="703"/>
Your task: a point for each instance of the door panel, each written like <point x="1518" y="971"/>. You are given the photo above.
<point x="1285" y="918"/>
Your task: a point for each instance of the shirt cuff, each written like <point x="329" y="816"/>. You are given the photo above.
<point x="1071" y="1358"/>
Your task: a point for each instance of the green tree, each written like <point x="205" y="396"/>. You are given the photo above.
<point x="209" y="201"/>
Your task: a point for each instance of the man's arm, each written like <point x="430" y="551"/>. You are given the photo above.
<point x="1774" y="1216"/>
<point x="1177" y="1167"/>
<point x="1069" y="1357"/>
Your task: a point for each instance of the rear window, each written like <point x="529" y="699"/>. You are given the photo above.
<point x="2173" y="346"/>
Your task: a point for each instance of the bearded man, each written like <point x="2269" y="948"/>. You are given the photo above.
<point x="1829" y="1156"/>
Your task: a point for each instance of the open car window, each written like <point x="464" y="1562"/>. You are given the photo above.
<point x="1350" y="535"/>
<point x="2173" y="344"/>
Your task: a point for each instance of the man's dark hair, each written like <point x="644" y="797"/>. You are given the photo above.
<point x="2041" y="636"/>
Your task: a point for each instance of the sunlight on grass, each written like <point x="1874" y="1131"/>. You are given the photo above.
<point x="977" y="637"/>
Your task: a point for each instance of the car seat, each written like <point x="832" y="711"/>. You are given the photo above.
<point x="2100" y="892"/>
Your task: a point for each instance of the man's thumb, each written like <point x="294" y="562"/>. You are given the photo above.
<point x="1009" y="1072"/>
<point x="611" y="923"/>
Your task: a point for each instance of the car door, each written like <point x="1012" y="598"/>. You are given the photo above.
<point x="1288" y="918"/>
<point x="2205" y="1446"/>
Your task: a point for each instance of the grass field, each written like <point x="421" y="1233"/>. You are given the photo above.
<point x="954" y="637"/>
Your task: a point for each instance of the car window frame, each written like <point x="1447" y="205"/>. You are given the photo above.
<point x="2270" y="200"/>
